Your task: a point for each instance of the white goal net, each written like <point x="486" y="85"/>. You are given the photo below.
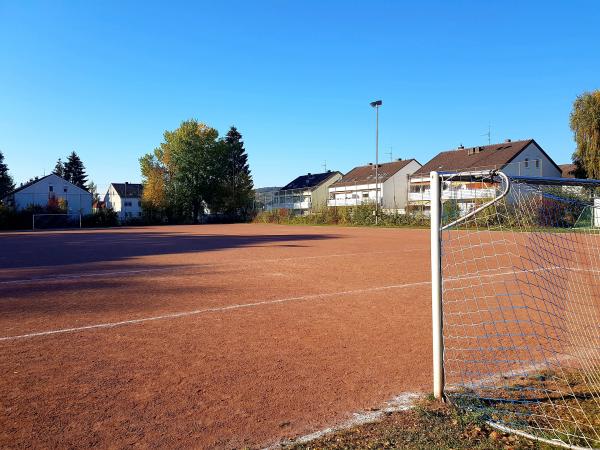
<point x="519" y="271"/>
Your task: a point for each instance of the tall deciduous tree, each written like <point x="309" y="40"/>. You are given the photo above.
<point x="74" y="171"/>
<point x="237" y="180"/>
<point x="186" y="164"/>
<point x="585" y="123"/>
<point x="59" y="168"/>
<point x="6" y="181"/>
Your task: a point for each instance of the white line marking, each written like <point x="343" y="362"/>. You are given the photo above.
<point x="179" y="268"/>
<point x="401" y="402"/>
<point x="209" y="310"/>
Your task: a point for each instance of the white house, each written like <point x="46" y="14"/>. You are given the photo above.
<point x="51" y="192"/>
<point x="305" y="192"/>
<point x="125" y="199"/>
<point x="516" y="158"/>
<point x="359" y="185"/>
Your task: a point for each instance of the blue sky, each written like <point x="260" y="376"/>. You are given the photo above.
<point x="107" y="78"/>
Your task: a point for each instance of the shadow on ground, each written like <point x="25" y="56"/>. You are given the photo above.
<point x="48" y="249"/>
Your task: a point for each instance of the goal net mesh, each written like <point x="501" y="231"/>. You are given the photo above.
<point x="521" y="303"/>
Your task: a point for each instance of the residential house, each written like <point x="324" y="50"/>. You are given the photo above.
<point x="568" y="170"/>
<point x="305" y="192"/>
<point x="516" y="158"/>
<point x="125" y="199"/>
<point x="52" y="193"/>
<point x="360" y="184"/>
<point x="263" y="198"/>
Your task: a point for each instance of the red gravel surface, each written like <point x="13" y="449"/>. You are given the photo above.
<point x="213" y="336"/>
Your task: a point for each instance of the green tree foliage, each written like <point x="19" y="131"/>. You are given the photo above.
<point x="237" y="184"/>
<point x="183" y="172"/>
<point x="93" y="189"/>
<point x="74" y="171"/>
<point x="585" y="123"/>
<point x="59" y="168"/>
<point x="6" y="181"/>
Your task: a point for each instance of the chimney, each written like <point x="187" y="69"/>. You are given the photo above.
<point x="507" y="140"/>
<point x="461" y="147"/>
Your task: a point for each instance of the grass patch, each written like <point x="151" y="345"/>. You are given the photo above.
<point x="429" y="425"/>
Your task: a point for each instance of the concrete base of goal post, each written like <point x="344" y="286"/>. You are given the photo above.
<point x="436" y="284"/>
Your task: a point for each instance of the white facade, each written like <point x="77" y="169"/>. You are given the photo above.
<point x="302" y="201"/>
<point x="597" y="212"/>
<point x="127" y="207"/>
<point x="52" y="191"/>
<point x="392" y="193"/>
<point x="530" y="162"/>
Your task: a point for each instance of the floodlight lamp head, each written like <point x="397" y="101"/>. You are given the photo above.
<point x="376" y="103"/>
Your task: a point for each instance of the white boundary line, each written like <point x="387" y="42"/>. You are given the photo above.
<point x="209" y="310"/>
<point x="402" y="402"/>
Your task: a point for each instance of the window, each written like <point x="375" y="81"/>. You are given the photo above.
<point x="50" y="188"/>
<point x="139" y="203"/>
<point x="65" y="189"/>
<point x="526" y="163"/>
<point x="140" y="214"/>
<point x="537" y="163"/>
<point x="365" y="195"/>
<point x="126" y="203"/>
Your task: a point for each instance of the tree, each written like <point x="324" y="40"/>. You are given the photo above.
<point x="237" y="180"/>
<point x="6" y="181"/>
<point x="183" y="169"/>
<point x="585" y="123"/>
<point x="74" y="171"/>
<point x="59" y="168"/>
<point x="93" y="189"/>
<point x="154" y="198"/>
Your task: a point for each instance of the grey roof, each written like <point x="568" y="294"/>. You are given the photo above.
<point x="128" y="190"/>
<point x="309" y="181"/>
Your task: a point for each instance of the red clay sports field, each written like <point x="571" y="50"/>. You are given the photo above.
<point x="206" y="336"/>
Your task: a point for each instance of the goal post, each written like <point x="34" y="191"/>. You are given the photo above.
<point x="515" y="265"/>
<point x="57" y="220"/>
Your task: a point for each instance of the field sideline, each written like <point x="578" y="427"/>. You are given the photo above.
<point x="207" y="336"/>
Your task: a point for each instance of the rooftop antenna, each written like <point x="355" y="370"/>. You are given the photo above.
<point x="489" y="133"/>
<point x="391" y="154"/>
<point x="324" y="165"/>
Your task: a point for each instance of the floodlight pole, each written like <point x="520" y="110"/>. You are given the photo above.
<point x="436" y="285"/>
<point x="376" y="104"/>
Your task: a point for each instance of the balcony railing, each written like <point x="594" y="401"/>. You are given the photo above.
<point x="454" y="194"/>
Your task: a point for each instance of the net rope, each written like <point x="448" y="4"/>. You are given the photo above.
<point x="521" y="305"/>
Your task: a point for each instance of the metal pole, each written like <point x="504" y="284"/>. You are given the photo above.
<point x="376" y="163"/>
<point x="436" y="285"/>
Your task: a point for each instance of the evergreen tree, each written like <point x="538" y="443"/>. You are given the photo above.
<point x="237" y="181"/>
<point x="59" y="168"/>
<point x="6" y="181"/>
<point x="74" y="171"/>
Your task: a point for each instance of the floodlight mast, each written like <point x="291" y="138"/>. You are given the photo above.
<point x="376" y="104"/>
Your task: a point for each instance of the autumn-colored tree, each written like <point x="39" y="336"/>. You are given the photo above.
<point x="154" y="181"/>
<point x="185" y="168"/>
<point x="585" y="123"/>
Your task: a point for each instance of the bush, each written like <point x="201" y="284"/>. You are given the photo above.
<point x="101" y="218"/>
<point x="360" y="215"/>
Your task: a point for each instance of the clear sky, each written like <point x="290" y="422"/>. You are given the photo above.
<point x="107" y="78"/>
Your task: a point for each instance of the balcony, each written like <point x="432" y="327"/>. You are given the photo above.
<point x="352" y="201"/>
<point x="454" y="194"/>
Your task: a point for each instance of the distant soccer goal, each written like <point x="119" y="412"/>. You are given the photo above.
<point x="54" y="221"/>
<point x="516" y="302"/>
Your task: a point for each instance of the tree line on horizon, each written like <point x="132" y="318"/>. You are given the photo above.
<point x="193" y="172"/>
